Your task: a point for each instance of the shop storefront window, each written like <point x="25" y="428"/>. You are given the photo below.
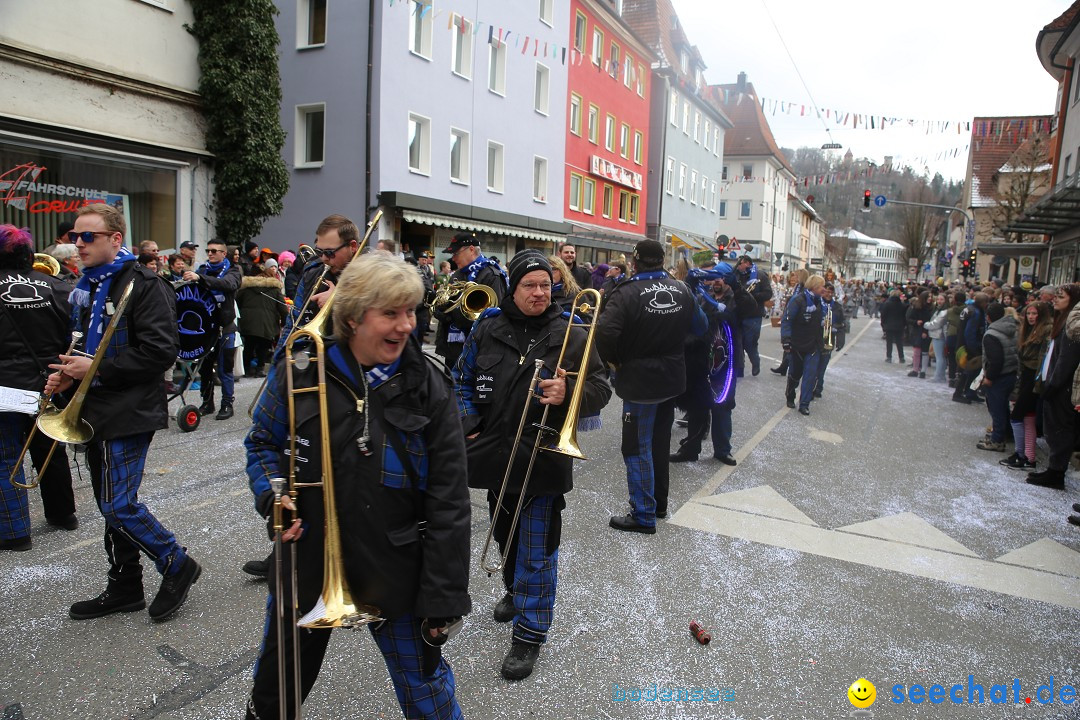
<point x="40" y="189"/>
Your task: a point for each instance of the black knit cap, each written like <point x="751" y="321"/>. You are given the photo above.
<point x="649" y="252"/>
<point x="526" y="262"/>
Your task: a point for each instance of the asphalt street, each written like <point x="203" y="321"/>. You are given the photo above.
<point x="868" y="540"/>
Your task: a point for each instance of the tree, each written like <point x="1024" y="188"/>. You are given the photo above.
<point x="920" y="228"/>
<point x="1020" y="183"/>
<point x="241" y="95"/>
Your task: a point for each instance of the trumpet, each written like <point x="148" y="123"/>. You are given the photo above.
<point x="472" y="299"/>
<point x="46" y="264"/>
<point x="566" y="442"/>
<point x="67" y="426"/>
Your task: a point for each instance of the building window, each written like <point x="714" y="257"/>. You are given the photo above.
<point x="686" y="117"/>
<point x="712" y="195"/>
<point x="722" y="209"/>
<point x="697" y="126"/>
<point x="607" y="201"/>
<point x="420" y="22"/>
<point x="419" y="144"/>
<point x="669" y="176"/>
<point x="609" y="135"/>
<point x="682" y="180"/>
<point x="575" y="114"/>
<point x="574" y="194"/>
<point x="546" y="11"/>
<point x="581" y="27"/>
<point x="641" y="80"/>
<point x="624" y="206"/>
<point x="628" y="71"/>
<point x="716" y="142"/>
<point x="588" y="200"/>
<point x="634" y="199"/>
<point x="673" y="109"/>
<point x="723" y="173"/>
<point x="613" y="61"/>
<point x="310" y="135"/>
<point x="495" y="167"/>
<point x="624" y="140"/>
<point x="693" y="187"/>
<point x="540" y="182"/>
<point x="744" y="209"/>
<point x="1068" y="166"/>
<point x="708" y="134"/>
<point x="540" y="96"/>
<point x="497" y="67"/>
<point x="597" y="46"/>
<point x="594" y="124"/>
<point x="462" y="47"/>
<point x="639" y="142"/>
<point x="311" y="23"/>
<point x="748" y="171"/>
<point x="704" y="190"/>
<point x="459" y="156"/>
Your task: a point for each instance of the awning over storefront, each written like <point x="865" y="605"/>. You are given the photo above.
<point x="1011" y="250"/>
<point x="605" y="238"/>
<point x="690" y="243"/>
<point x="458" y="223"/>
<point x="1058" y="211"/>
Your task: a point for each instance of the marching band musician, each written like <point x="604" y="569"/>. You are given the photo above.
<point x="801" y="338"/>
<point x="472" y="266"/>
<point x="34" y="329"/>
<point x="399" y="466"/>
<point x="125" y="406"/>
<point x="221" y="278"/>
<point x="491" y="381"/>
<point x="838" y="330"/>
<point x="760" y="288"/>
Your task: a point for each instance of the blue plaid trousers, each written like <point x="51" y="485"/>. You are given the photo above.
<point x="532" y="565"/>
<point x="116" y="469"/>
<point x="639" y="425"/>
<point x="14" y="506"/>
<point x="421" y="697"/>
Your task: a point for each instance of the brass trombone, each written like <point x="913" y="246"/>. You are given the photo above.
<point x="471" y="298"/>
<point x="827" y="330"/>
<point x="566" y="442"/>
<point x="46" y="264"/>
<point x="66" y="426"/>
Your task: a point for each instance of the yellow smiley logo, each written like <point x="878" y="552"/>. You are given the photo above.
<point x="862" y="693"/>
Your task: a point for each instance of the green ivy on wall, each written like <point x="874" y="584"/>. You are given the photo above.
<point x="241" y="95"/>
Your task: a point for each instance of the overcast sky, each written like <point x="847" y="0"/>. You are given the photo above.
<point x="919" y="59"/>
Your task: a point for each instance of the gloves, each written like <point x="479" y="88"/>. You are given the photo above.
<point x="786" y="345"/>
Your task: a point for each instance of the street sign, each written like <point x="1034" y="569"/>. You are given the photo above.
<point x="969" y="231"/>
<point x="880" y="201"/>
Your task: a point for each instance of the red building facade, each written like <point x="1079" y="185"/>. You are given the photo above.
<point x="607" y="132"/>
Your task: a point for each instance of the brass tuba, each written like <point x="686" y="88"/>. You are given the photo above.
<point x="566" y="437"/>
<point x="472" y="299"/>
<point x="66" y="426"/>
<point x="46" y="264"/>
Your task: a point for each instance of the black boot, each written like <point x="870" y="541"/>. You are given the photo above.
<point x="207" y="407"/>
<point x="107" y="603"/>
<point x="1049" y="478"/>
<point x="504" y="609"/>
<point x="518" y="663"/>
<point x="226" y="410"/>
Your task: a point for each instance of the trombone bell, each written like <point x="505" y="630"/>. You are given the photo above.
<point x="66" y="427"/>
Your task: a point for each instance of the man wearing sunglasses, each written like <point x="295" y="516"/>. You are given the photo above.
<point x="222" y="278"/>
<point x="125" y="406"/>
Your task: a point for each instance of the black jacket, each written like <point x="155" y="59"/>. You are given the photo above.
<point x="762" y="290"/>
<point x="893" y="315"/>
<point x="492" y="384"/>
<point x="801" y="327"/>
<point x="915" y="331"/>
<point x="641" y="333"/>
<point x="34" y="309"/>
<point x="389" y="562"/>
<point x="224" y="288"/>
<point x="128" y="396"/>
<point x="262" y="307"/>
<point x="699" y="351"/>
<point x="581" y="276"/>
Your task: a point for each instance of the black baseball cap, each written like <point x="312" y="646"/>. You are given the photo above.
<point x="190" y="245"/>
<point x="461" y="240"/>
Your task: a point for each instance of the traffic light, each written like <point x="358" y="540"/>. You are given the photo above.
<point x="965" y="268"/>
<point x="866" y="199"/>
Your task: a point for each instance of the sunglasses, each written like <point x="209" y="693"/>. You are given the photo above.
<point x="213" y="251"/>
<point x="329" y="254"/>
<point x="87" y="236"/>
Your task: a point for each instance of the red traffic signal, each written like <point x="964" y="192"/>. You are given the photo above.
<point x="866" y="199"/>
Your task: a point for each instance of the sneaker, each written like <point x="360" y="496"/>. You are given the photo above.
<point x="986" y="444"/>
<point x="19" y="544"/>
<point x="804" y="411"/>
<point x="519" y="662"/>
<point x="1014" y="461"/>
<point x="225" y="412"/>
<point x="961" y="399"/>
<point x="68" y="523"/>
<point x="207" y="408"/>
<point x="504" y="609"/>
<point x="107" y="603"/>
<point x="913" y="373"/>
<point x="196" y="385"/>
<point x="1029" y="464"/>
<point x="888" y="360"/>
<point x="174" y="590"/>
<point x="257" y="568"/>
<point x="627" y="523"/>
<point x="922" y="376"/>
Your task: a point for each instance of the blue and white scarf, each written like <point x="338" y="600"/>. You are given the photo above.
<point x="456" y="334"/>
<point x="96" y="281"/>
<point x="652" y="275"/>
<point x="215" y="270"/>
